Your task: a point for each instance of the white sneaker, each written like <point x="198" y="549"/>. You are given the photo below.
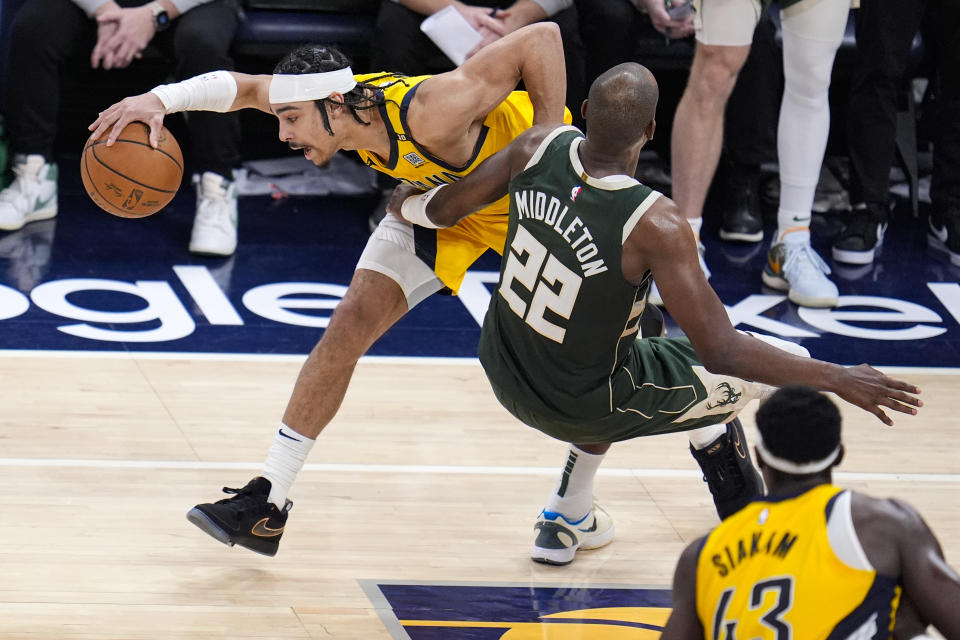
<point x="558" y="539"/>
<point x="215" y="225"/>
<point x="795" y="267"/>
<point x="654" y="297"/>
<point x="32" y="195"/>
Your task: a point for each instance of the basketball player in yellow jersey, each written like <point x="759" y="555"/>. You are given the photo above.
<point x="423" y="130"/>
<point x="812" y="560"/>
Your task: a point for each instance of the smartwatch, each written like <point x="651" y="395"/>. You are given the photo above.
<point x="161" y="19"/>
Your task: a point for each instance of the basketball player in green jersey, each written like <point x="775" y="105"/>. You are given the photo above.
<point x="812" y="560"/>
<point x="559" y="342"/>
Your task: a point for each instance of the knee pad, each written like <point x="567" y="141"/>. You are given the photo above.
<point x="391" y="251"/>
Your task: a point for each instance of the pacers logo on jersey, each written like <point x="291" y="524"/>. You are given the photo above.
<point x="515" y="612"/>
<point x="414" y="159"/>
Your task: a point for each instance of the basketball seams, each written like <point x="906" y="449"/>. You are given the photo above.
<point x="103" y="200"/>
<point x="144" y="144"/>
<point x="128" y="178"/>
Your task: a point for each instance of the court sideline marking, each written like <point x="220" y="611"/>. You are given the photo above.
<point x="414" y="469"/>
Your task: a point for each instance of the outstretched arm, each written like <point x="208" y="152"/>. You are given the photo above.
<point x="446" y="106"/>
<point x="214" y="91"/>
<point x="663" y="243"/>
<point x="684" y="623"/>
<point x="446" y="206"/>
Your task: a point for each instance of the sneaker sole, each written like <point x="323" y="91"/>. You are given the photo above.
<point x="854" y="257"/>
<point x="208" y="526"/>
<point x="212" y="529"/>
<point x="806" y="301"/>
<point x="35" y="216"/>
<point x="208" y="251"/>
<point x="774" y="281"/>
<point x="940" y="245"/>
<point x="563" y="557"/>
<point x="741" y="236"/>
<point x="778" y="283"/>
<point x="865" y="256"/>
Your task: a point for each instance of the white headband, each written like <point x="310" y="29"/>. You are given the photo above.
<point x="788" y="466"/>
<point x="310" y="86"/>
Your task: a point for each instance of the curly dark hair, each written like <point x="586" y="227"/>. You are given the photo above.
<point x="315" y="58"/>
<point x="799" y="424"/>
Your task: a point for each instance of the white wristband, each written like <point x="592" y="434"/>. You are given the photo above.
<point x="414" y="208"/>
<point x="214" y="91"/>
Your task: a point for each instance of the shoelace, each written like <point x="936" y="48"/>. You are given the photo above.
<point x="241" y="498"/>
<point x="726" y="478"/>
<point x="801" y="260"/>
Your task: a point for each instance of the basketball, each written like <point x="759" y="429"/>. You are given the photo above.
<point x="131" y="179"/>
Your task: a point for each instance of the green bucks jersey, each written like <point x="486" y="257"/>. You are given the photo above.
<point x="563" y="318"/>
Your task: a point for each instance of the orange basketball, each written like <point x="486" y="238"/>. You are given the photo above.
<point x="131" y="179"/>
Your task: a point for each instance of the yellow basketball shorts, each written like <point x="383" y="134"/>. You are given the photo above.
<point x="450" y="252"/>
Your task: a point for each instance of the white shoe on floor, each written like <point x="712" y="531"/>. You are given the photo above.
<point x="796" y="268"/>
<point x="215" y="225"/>
<point x="32" y="195"/>
<point x="558" y="539"/>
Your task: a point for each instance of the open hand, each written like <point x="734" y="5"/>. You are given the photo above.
<point x="871" y="390"/>
<point x="145" y="107"/>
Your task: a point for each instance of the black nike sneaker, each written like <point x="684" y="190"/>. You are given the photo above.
<point x="728" y="470"/>
<point x="246" y="519"/>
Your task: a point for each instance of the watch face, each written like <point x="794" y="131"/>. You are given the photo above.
<point x="163" y="20"/>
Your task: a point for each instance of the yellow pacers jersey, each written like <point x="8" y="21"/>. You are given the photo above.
<point x="449" y="251"/>
<point x="771" y="571"/>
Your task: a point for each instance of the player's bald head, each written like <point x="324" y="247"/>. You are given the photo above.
<point x="621" y="105"/>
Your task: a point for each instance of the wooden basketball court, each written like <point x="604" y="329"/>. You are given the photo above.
<point x="103" y="456"/>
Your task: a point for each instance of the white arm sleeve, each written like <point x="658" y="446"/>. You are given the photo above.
<point x="214" y="91"/>
<point x="414" y="208"/>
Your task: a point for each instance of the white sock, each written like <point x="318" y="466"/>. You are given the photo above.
<point x="793" y="227"/>
<point x="810" y="42"/>
<point x="700" y="438"/>
<point x="696" y="224"/>
<point x="283" y="463"/>
<point x="573" y="494"/>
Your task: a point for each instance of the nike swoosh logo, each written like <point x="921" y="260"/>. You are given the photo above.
<point x="40" y="204"/>
<point x="774" y="265"/>
<point x="738" y="446"/>
<point x="280" y="431"/>
<point x="593" y="527"/>
<point x="262" y="530"/>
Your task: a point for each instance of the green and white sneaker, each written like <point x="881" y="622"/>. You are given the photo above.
<point x="32" y="195"/>
<point x="215" y="224"/>
<point x="558" y="538"/>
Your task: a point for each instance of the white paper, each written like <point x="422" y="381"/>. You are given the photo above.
<point x="451" y="32"/>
